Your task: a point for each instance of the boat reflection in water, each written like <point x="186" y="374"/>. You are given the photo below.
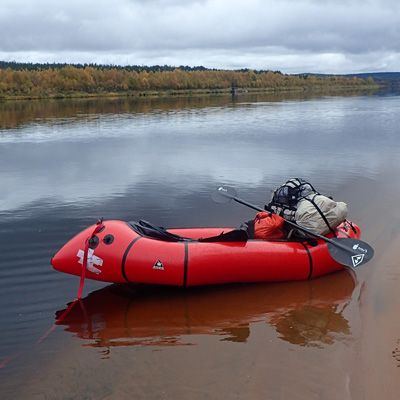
<point x="307" y="313"/>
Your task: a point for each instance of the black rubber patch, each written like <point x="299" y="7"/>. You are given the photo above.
<point x="93" y="242"/>
<point x="108" y="239"/>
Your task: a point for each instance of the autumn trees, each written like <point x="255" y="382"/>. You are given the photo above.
<point x="71" y="80"/>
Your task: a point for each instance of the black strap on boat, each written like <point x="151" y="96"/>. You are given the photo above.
<point x="251" y="228"/>
<point x="235" y="235"/>
<point x="309" y="259"/>
<point x="185" y="265"/>
<point x="321" y="214"/>
<point x="125" y="256"/>
<point x="146" y="229"/>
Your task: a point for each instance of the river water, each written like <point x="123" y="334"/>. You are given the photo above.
<point x="65" y="164"/>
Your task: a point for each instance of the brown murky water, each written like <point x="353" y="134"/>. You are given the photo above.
<point x="336" y="337"/>
<point x="379" y="301"/>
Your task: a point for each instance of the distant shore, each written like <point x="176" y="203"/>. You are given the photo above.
<point x="188" y="93"/>
<point x="67" y="82"/>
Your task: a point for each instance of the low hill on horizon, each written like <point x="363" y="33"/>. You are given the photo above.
<point x="390" y="77"/>
<point x="379" y="76"/>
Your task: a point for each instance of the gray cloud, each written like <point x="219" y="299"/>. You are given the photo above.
<point x="292" y="36"/>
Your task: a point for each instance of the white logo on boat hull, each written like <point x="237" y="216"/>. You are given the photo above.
<point x="91" y="260"/>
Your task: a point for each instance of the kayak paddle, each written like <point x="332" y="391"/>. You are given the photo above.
<point x="346" y="251"/>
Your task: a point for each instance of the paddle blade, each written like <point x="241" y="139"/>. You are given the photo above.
<point x="350" y="252"/>
<point x="224" y="194"/>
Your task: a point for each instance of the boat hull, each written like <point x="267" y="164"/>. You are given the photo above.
<point x="119" y="254"/>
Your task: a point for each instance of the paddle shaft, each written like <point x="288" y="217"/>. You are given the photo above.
<point x="300" y="228"/>
<point x="346" y="251"/>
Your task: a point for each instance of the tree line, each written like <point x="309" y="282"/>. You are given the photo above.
<point x="59" y="80"/>
<point x="18" y="66"/>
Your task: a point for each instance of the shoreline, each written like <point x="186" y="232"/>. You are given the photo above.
<point x="190" y="92"/>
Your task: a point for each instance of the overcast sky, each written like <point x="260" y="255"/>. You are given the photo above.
<point x="292" y="36"/>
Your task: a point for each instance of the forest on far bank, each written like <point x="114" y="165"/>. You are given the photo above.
<point x="62" y="80"/>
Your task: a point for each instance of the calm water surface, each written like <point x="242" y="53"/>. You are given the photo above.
<point x="65" y="164"/>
